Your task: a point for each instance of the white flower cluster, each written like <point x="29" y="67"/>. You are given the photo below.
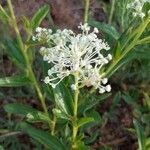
<point x="71" y="54"/>
<point x="137" y="6"/>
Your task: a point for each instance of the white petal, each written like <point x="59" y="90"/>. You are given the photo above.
<point x="104" y="81"/>
<point x="108" y="88"/>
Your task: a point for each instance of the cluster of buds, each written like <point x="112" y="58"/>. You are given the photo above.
<point x="70" y="54"/>
<point x="137" y="7"/>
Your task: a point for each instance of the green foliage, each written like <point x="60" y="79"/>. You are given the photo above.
<point x="50" y="142"/>
<point x="31" y="25"/>
<point x="64" y="100"/>
<point x="39" y="16"/>
<point x="141" y="114"/>
<point x="14" y="81"/>
<point x="14" y="53"/>
<point x="91" y="101"/>
<point x="83" y="121"/>
<point x="30" y="113"/>
<point x="140" y="134"/>
<point x="106" y="28"/>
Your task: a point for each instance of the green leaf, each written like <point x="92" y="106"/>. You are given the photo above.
<point x="49" y="141"/>
<point x="129" y="99"/>
<point x="27" y="25"/>
<point x="39" y="16"/>
<point x="96" y="116"/>
<point x="117" y="51"/>
<point x="140" y="135"/>
<point x="67" y="131"/>
<point x="14" y="52"/>
<point x="146" y="118"/>
<point x="83" y="121"/>
<point x="92" y="138"/>
<point x="106" y="28"/>
<point x="20" y="109"/>
<point x="115" y="101"/>
<point x="14" y="81"/>
<point x="147" y="100"/>
<point x="81" y="145"/>
<point x="144" y="41"/>
<point x="91" y="102"/>
<point x="25" y="110"/>
<point x="59" y="114"/>
<point x="38" y="116"/>
<point x="118" y="64"/>
<point x="63" y="99"/>
<point x="148" y="143"/>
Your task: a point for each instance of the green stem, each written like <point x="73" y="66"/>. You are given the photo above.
<point x="53" y="125"/>
<point x="14" y="24"/>
<point x="86" y="10"/>
<point x="111" y="11"/>
<point x="128" y="48"/>
<point x="144" y="41"/>
<point x="38" y="90"/>
<point x="76" y="99"/>
<point x="28" y="64"/>
<point x="75" y="112"/>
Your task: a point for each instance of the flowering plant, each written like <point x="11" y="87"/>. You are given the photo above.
<point x="76" y="66"/>
<point x="79" y="55"/>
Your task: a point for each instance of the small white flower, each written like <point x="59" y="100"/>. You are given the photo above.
<point x="137" y="7"/>
<point x="34" y="38"/>
<point x="104" y="81"/>
<point x="38" y="29"/>
<point x="73" y="87"/>
<point x="70" y="53"/>
<point x="108" y="88"/>
<point x="109" y="57"/>
<point x="96" y="30"/>
<point x="101" y="90"/>
<point x="47" y="80"/>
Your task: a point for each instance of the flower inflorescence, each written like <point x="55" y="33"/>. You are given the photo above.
<point x="137" y="7"/>
<point x="71" y="54"/>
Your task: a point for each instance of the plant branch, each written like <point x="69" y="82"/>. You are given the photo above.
<point x="127" y="49"/>
<point x="27" y="60"/>
<point x="76" y="95"/>
<point x="144" y="41"/>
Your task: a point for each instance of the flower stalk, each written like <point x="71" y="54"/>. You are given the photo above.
<point x="76" y="96"/>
